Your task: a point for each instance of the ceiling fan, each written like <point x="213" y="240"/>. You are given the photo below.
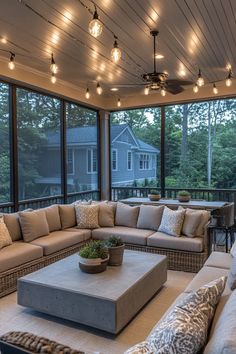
<point x="155" y="81"/>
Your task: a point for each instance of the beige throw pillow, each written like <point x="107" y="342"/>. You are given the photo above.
<point x="33" y="224"/>
<point x="106" y="215"/>
<point x="192" y="220"/>
<point x="150" y="217"/>
<point x="67" y="215"/>
<point x="172" y="221"/>
<point x="126" y="215"/>
<point x="53" y="217"/>
<point x="5" y="238"/>
<point x="87" y="216"/>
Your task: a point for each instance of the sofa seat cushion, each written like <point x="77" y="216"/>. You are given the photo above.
<point x="206" y="275"/>
<point x="59" y="240"/>
<point x="17" y="254"/>
<point x="183" y="243"/>
<point x="219" y="260"/>
<point x="127" y="234"/>
<point x="87" y="233"/>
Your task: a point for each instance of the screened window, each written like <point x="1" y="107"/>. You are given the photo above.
<point x="129" y="161"/>
<point x="70" y="161"/>
<point x="92" y="160"/>
<point x="114" y="160"/>
<point x="144" y="161"/>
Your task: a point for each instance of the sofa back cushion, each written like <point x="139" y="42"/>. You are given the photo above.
<point x="150" y="217"/>
<point x="53" y="217"/>
<point x="126" y="215"/>
<point x="106" y="215"/>
<point x="192" y="220"/>
<point x="67" y="215"/>
<point x="33" y="224"/>
<point x="172" y="221"/>
<point x="5" y="238"/>
<point x="87" y="216"/>
<point x="13" y="225"/>
<point x="206" y="215"/>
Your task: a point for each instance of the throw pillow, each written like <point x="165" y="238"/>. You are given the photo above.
<point x="206" y="215"/>
<point x="150" y="217"/>
<point x="126" y="215"/>
<point x="5" y="238"/>
<point x="192" y="219"/>
<point x="185" y="328"/>
<point x="232" y="275"/>
<point x="33" y="224"/>
<point x="141" y="348"/>
<point x="106" y="215"/>
<point x="53" y="217"/>
<point x="87" y="216"/>
<point x="67" y="215"/>
<point x="13" y="224"/>
<point x="172" y="221"/>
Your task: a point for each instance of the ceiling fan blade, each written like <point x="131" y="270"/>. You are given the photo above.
<point x="128" y="85"/>
<point x="174" y="89"/>
<point x="179" y="82"/>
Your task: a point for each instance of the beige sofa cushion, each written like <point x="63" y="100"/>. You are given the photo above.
<point x="162" y="240"/>
<point x="222" y="336"/>
<point x="172" y="221"/>
<point x="67" y="215"/>
<point x="206" y="215"/>
<point x="5" y="238"/>
<point x="106" y="215"/>
<point x="192" y="219"/>
<point x="13" y="225"/>
<point x="53" y="217"/>
<point x="17" y="254"/>
<point x="59" y="240"/>
<point x="205" y="275"/>
<point x="33" y="224"/>
<point x="126" y="215"/>
<point x="127" y="234"/>
<point x="219" y="260"/>
<point x="150" y="217"/>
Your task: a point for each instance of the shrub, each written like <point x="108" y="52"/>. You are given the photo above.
<point x="95" y="249"/>
<point x="183" y="194"/>
<point x="114" y="241"/>
<point x="154" y="191"/>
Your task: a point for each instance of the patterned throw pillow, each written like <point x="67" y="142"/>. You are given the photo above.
<point x="87" y="216"/>
<point x="172" y="221"/>
<point x="5" y="238"/>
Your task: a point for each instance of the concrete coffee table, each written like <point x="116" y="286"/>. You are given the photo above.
<point x="107" y="300"/>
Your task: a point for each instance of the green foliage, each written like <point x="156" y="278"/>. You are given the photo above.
<point x="183" y="194"/>
<point x="114" y="241"/>
<point x="95" y="249"/>
<point x="154" y="192"/>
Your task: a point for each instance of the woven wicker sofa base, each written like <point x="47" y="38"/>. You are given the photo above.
<point x="8" y="279"/>
<point x="177" y="260"/>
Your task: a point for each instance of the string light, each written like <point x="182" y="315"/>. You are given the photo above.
<point x="146" y="90"/>
<point x="53" y="78"/>
<point x="95" y="26"/>
<point x="163" y="91"/>
<point x="115" y="52"/>
<point x="3" y="40"/>
<point x="118" y="102"/>
<point x="99" y="89"/>
<point x="228" y="81"/>
<point x="215" y="89"/>
<point x="87" y="94"/>
<point x="200" y="80"/>
<point x="11" y="64"/>
<point x="195" y="88"/>
<point x="53" y="66"/>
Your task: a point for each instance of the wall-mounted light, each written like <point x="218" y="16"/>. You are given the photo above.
<point x="146" y="90"/>
<point x="87" y="94"/>
<point x="11" y="64"/>
<point x="115" y="52"/>
<point x="200" y="80"/>
<point x="99" y="89"/>
<point x="95" y="25"/>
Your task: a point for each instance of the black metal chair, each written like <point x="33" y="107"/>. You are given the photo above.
<point x="224" y="220"/>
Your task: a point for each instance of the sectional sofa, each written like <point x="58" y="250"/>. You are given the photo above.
<point x="44" y="242"/>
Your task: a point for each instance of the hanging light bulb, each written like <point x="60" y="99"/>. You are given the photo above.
<point x="215" y="89"/>
<point x="163" y="91"/>
<point x="53" y="78"/>
<point x="146" y="90"/>
<point x="115" y="52"/>
<point x="11" y="64"/>
<point x="200" y="80"/>
<point x="99" y="89"/>
<point x="195" y="88"/>
<point x="228" y="81"/>
<point x="95" y="26"/>
<point x="87" y="94"/>
<point x="53" y="66"/>
<point x="118" y="102"/>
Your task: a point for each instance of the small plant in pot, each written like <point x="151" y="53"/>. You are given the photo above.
<point x="115" y="248"/>
<point x="93" y="257"/>
<point x="154" y="195"/>
<point x="183" y="196"/>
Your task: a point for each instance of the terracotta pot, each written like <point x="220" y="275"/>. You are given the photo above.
<point x="116" y="255"/>
<point x="184" y="198"/>
<point x="154" y="197"/>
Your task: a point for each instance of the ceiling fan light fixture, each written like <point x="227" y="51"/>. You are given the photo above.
<point x="215" y="89"/>
<point x="146" y="90"/>
<point x="115" y="52"/>
<point x="99" y="89"/>
<point x="200" y="80"/>
<point x="195" y="88"/>
<point x="163" y="91"/>
<point x="95" y="25"/>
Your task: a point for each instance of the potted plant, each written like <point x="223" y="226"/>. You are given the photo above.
<point x="183" y="196"/>
<point x="93" y="257"/>
<point x="154" y="195"/>
<point x="115" y="247"/>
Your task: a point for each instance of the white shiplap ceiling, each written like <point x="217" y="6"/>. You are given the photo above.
<point x="193" y="34"/>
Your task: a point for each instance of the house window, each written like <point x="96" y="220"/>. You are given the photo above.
<point x="70" y="161"/>
<point x="114" y="159"/>
<point x="144" y="163"/>
<point x="92" y="160"/>
<point x="129" y="160"/>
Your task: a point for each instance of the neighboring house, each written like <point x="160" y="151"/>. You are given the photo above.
<point x="131" y="159"/>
